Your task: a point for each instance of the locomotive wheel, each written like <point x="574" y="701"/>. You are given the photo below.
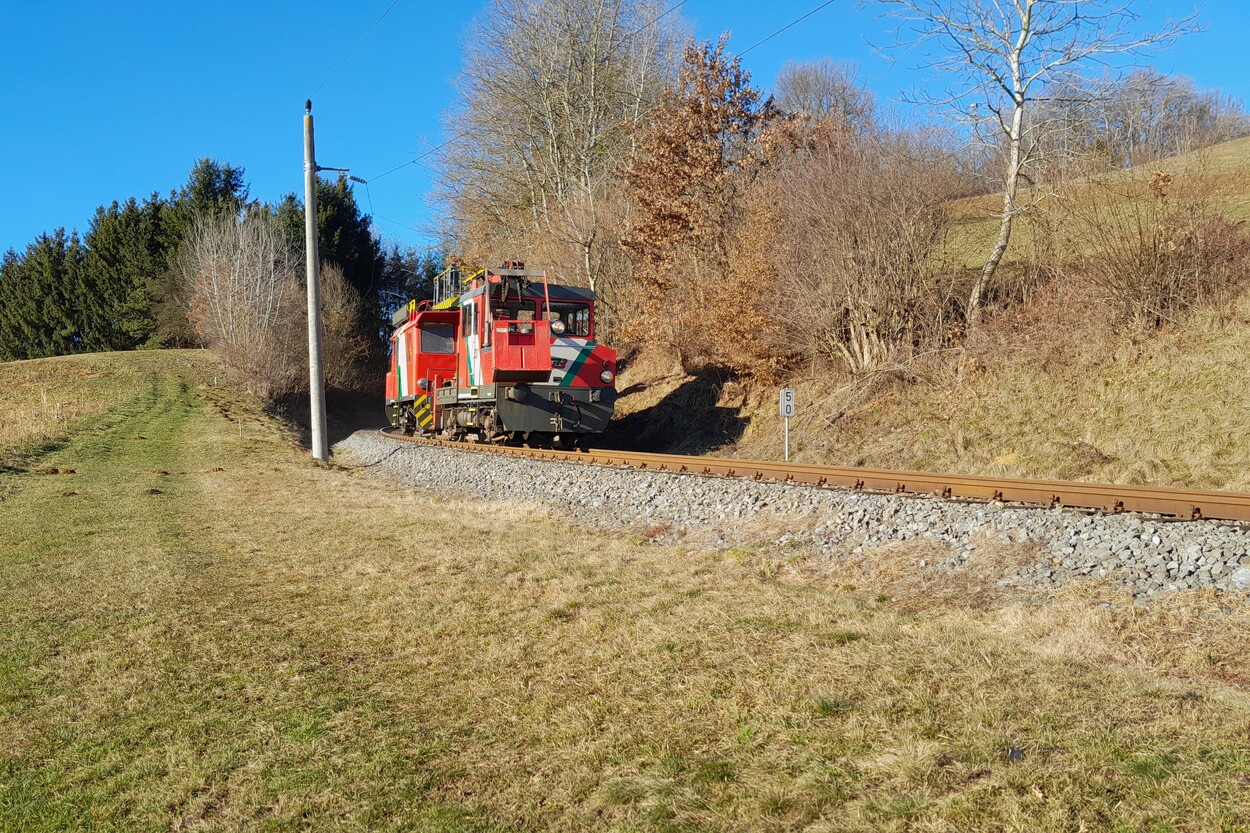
<point x="490" y="430"/>
<point x="407" y="421"/>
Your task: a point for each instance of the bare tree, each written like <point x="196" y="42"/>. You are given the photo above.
<point x="243" y="277"/>
<point x="999" y="56"/>
<point x="1141" y="117"/>
<point x="826" y="90"/>
<point x="550" y="92"/>
<point x="1151" y="116"/>
<point x="244" y="282"/>
<point x="862" y="219"/>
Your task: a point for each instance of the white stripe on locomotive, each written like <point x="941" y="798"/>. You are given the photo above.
<point x="402" y="347"/>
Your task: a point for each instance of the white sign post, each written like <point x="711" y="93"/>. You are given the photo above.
<point x="787" y="411"/>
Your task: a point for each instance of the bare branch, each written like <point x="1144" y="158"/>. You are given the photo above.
<point x="1003" y="56"/>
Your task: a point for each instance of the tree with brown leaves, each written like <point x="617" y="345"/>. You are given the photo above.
<point x="685" y="179"/>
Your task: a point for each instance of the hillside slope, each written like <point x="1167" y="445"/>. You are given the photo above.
<point x="1220" y="173"/>
<point x="1054" y="388"/>
<point x="1104" y="406"/>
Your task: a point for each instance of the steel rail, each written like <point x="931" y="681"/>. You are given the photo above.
<point x="1187" y="504"/>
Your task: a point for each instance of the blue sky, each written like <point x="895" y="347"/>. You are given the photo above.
<point x="103" y="100"/>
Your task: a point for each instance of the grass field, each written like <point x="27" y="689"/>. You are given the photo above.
<point x="200" y="629"/>
<point x="40" y="400"/>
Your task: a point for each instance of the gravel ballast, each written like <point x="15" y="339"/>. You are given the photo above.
<point x="1144" y="554"/>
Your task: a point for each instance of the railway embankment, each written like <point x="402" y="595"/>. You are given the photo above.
<point x="1049" y="391"/>
<point x="1029" y="548"/>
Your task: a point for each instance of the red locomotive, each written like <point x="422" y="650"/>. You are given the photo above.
<point x="501" y="356"/>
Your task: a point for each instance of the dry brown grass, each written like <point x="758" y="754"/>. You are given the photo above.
<point x="262" y="643"/>
<point x="1052" y="389"/>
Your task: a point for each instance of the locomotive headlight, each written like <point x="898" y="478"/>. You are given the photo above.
<point x="423" y="384"/>
<point x="557" y="327"/>
<point x="606" y="377"/>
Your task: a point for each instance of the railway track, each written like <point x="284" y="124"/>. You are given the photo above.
<point x="1183" y="504"/>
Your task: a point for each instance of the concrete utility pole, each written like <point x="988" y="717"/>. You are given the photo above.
<point x="316" y="380"/>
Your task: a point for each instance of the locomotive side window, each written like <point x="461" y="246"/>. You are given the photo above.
<point x="576" y="317"/>
<point x="437" y="338"/>
<point x="468" y="320"/>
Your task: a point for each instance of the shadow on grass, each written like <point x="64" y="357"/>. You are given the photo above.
<point x="19" y="461"/>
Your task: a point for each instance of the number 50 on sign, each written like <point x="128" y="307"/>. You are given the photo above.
<point x="787" y="411"/>
<point x="787" y="402"/>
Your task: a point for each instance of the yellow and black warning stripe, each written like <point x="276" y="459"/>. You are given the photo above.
<point x="423" y="411"/>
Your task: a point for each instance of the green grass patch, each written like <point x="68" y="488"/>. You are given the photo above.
<point x="830" y="706"/>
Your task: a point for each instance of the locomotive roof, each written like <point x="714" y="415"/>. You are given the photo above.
<point x="535" y="290"/>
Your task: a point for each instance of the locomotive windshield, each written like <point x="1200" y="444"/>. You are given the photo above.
<point x="576" y="317"/>
<point x="514" y="309"/>
<point x="437" y="338"/>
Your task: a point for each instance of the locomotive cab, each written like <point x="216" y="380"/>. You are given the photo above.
<point x="423" y="359"/>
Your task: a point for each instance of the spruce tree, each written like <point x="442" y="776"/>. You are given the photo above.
<point x="11" y="298"/>
<point x="127" y="257"/>
<point x="42" y="312"/>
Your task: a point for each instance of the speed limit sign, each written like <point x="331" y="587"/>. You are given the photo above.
<point x="787" y="402"/>
<point x="787" y="411"/>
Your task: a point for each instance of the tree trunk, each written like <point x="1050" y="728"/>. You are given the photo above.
<point x="586" y="264"/>
<point x="1010" y="186"/>
<point x="977" y="299"/>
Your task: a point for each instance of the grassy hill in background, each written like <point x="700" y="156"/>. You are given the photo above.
<point x="200" y="629"/>
<point x="1220" y="174"/>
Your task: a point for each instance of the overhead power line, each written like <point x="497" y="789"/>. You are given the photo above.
<point x="417" y="160"/>
<point x="354" y="48"/>
<point x="795" y="22"/>
<point x="647" y="26"/>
